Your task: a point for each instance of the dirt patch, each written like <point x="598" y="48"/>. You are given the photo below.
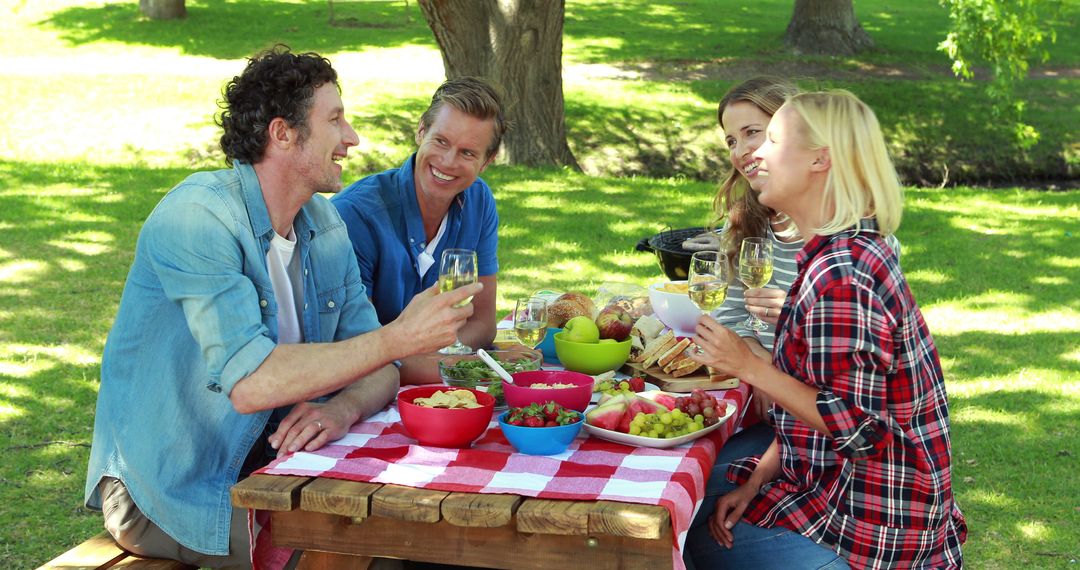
<point x="736" y="69"/>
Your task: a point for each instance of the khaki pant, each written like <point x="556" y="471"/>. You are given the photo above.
<point x="137" y="534"/>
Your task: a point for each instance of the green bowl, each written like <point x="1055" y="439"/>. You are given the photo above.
<point x="591" y="358"/>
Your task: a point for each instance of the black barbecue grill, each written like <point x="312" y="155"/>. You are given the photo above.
<point x="667" y="245"/>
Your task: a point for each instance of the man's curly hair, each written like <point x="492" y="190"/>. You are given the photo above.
<point x="275" y="83"/>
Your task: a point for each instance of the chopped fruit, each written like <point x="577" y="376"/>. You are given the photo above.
<point x="548" y="414"/>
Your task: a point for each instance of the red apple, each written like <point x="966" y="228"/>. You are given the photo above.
<point x="614" y="323"/>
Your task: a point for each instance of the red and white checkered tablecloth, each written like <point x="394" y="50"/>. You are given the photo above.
<point x="380" y="450"/>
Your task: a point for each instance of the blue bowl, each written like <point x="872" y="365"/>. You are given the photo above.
<point x="547" y="346"/>
<point x="541" y="440"/>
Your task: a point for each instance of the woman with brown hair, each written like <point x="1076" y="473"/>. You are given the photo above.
<point x="743" y="113"/>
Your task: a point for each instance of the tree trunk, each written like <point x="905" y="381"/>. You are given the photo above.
<point x="163" y="9"/>
<point x="517" y="45"/>
<point x="826" y="27"/>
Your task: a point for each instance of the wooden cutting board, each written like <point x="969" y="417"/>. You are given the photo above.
<point x="669" y="383"/>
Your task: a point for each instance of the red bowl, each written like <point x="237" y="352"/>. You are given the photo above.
<point x="519" y="394"/>
<point x="444" y="427"/>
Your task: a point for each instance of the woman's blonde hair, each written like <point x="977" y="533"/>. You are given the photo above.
<point x="862" y="181"/>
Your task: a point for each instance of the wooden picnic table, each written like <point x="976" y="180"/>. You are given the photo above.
<point x="342" y="524"/>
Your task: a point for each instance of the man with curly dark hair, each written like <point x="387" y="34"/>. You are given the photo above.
<point x="244" y="326"/>
<point x="401" y="221"/>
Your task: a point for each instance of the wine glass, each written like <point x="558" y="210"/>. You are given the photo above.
<point x="530" y="321"/>
<point x="755" y="271"/>
<point x="708" y="280"/>
<point x="457" y="268"/>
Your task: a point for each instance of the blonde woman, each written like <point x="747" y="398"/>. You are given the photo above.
<point x="860" y="466"/>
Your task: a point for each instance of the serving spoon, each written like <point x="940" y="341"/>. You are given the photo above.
<point x="494" y="365"/>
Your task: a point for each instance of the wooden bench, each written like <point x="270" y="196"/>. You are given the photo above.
<point x="101" y="552"/>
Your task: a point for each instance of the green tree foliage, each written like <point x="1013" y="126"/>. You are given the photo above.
<point x="1007" y="35"/>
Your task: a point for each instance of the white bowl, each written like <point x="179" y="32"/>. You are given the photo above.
<point x="674" y="309"/>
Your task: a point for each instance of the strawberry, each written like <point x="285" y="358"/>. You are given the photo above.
<point x="533" y="421"/>
<point x="637" y="384"/>
<point x="567" y="417"/>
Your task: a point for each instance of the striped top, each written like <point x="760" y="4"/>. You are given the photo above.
<point x="733" y="312"/>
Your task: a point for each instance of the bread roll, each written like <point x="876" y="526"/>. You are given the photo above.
<point x="568" y="306"/>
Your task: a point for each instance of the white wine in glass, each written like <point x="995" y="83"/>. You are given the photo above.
<point x="530" y="321"/>
<point x="457" y="268"/>
<point x="708" y="281"/>
<point x="448" y="283"/>
<point x="707" y="293"/>
<point x="755" y="271"/>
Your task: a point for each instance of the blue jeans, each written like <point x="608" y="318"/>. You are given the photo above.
<point x="754" y="547"/>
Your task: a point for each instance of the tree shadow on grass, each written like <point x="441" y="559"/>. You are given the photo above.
<point x="72" y="231"/>
<point x="239" y="28"/>
<point x="1014" y="461"/>
<point x="1019" y="250"/>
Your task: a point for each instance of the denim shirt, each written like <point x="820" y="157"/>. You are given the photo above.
<point x="387" y="233"/>
<point x="197" y="315"/>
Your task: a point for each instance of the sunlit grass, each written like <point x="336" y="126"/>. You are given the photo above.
<point x="104" y="111"/>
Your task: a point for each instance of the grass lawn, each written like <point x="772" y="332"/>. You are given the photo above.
<point x="105" y="111"/>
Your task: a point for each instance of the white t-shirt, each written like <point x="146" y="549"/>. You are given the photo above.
<point x="286" y="277"/>
<point x="426" y="259"/>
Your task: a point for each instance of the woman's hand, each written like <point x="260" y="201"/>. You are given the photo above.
<point x="722" y="349"/>
<point x="762" y="403"/>
<point x="729" y="509"/>
<point x="310" y="426"/>
<point x="765" y="303"/>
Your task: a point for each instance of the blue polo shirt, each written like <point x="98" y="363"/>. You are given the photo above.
<point x="387" y="234"/>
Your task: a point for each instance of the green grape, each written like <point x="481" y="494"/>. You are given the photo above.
<point x="635" y="430"/>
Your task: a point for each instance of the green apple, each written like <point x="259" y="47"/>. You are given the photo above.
<point x="581" y="329"/>
<point x="608" y="341"/>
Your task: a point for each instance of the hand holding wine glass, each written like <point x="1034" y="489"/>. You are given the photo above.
<point x="530" y="321"/>
<point x="755" y="271"/>
<point x="457" y="268"/>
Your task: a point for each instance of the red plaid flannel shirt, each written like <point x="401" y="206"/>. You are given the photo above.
<point x="877" y="489"/>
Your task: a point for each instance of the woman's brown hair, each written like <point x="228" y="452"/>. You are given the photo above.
<point x="735" y="203"/>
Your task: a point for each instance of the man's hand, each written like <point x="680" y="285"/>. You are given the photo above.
<point x="310" y="426"/>
<point x="431" y="321"/>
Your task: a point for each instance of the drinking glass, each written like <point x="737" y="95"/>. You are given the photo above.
<point x="755" y="271"/>
<point x="707" y="282"/>
<point x="457" y="268"/>
<point x="530" y="321"/>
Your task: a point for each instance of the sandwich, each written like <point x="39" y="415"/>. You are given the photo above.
<point x="675" y="352"/>
<point x="683" y="365"/>
<point x="657" y="347"/>
<point x="645" y="330"/>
